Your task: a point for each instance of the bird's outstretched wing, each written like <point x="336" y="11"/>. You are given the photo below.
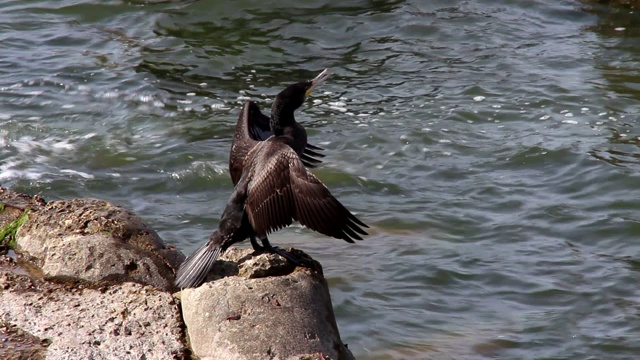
<point x="281" y="190"/>
<point x="250" y="122"/>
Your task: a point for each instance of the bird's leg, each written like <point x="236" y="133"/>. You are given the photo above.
<point x="254" y="243"/>
<point x="276" y="250"/>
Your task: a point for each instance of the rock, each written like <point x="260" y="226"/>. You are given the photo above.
<point x="12" y="200"/>
<point x="14" y="209"/>
<point x="16" y="344"/>
<point x="96" y="240"/>
<point x="81" y="320"/>
<point x="244" y="316"/>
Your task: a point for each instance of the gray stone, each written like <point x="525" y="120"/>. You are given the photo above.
<point x="81" y="320"/>
<point x="96" y="240"/>
<point x="243" y="316"/>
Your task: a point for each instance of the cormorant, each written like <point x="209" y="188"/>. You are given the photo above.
<point x="274" y="189"/>
<point x="253" y="127"/>
<point x="272" y="186"/>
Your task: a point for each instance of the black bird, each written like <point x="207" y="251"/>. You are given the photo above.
<point x="274" y="189"/>
<point x="253" y="127"/>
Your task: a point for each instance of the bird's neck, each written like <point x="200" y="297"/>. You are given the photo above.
<point x="281" y="118"/>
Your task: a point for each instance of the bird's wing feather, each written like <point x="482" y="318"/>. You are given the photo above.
<point x="250" y="129"/>
<point x="282" y="190"/>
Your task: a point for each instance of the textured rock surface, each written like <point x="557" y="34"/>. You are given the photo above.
<point x="14" y="205"/>
<point x="75" y="320"/>
<point x="288" y="316"/>
<point x="87" y="298"/>
<point x="96" y="240"/>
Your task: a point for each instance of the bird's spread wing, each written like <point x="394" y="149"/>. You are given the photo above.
<point x="282" y="190"/>
<point x="250" y="128"/>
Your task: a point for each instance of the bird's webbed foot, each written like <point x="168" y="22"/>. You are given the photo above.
<point x="276" y="250"/>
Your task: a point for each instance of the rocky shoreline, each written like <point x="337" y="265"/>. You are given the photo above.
<point x="90" y="280"/>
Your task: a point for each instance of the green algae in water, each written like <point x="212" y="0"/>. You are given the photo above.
<point x="8" y="233"/>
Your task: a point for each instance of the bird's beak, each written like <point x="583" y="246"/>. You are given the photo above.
<point x="318" y="81"/>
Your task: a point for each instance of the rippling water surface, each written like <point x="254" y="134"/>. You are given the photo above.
<point x="491" y="145"/>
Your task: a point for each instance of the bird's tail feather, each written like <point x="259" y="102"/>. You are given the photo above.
<point x="194" y="270"/>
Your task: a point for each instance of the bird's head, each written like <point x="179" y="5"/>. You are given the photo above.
<point x="294" y="95"/>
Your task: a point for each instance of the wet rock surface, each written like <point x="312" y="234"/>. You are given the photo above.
<point x="252" y="315"/>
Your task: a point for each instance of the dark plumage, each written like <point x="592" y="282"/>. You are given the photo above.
<point x="253" y="126"/>
<point x="275" y="189"/>
<point x="268" y="165"/>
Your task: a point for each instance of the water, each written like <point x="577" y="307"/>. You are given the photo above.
<point x="491" y="145"/>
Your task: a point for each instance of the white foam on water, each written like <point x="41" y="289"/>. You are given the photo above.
<point x="191" y="94"/>
<point x="79" y="173"/>
<point x="478" y="98"/>
<point x="110" y="95"/>
<point x="68" y="106"/>
<point x="545" y="117"/>
<point x="5" y="117"/>
<point x="186" y="102"/>
<point x="573" y="122"/>
<point x="338" y="108"/>
<point x="62" y="145"/>
<point x="337" y="103"/>
<point x="219" y="107"/>
<point x="568" y="114"/>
